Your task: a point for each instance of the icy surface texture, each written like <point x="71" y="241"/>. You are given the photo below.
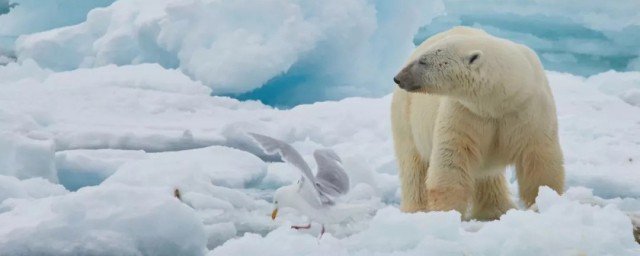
<point x="112" y="143"/>
<point x="293" y="52"/>
<point x="579" y="37"/>
<point x="329" y="49"/>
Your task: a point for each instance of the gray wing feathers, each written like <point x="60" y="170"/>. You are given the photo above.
<point x="331" y="178"/>
<point x="286" y="151"/>
<point x="330" y="181"/>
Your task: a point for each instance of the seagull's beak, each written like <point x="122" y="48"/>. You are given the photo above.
<point x="274" y="213"/>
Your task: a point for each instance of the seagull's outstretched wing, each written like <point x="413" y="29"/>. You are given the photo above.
<point x="331" y="178"/>
<point x="287" y="152"/>
<point x="308" y="187"/>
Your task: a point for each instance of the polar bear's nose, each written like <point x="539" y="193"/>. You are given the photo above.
<point x="395" y="80"/>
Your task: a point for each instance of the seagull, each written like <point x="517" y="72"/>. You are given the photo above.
<point x="314" y="196"/>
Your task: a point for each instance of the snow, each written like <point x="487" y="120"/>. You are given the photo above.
<point x="118" y="220"/>
<point x="294" y="52"/>
<point x="25" y="150"/>
<point x="82" y="167"/>
<point x="212" y="180"/>
<point x="133" y="107"/>
<point x="562" y="227"/>
<point x="580" y="37"/>
<point x="297" y="38"/>
<point x="117" y="135"/>
<point x="28" y="16"/>
<point x="144" y="131"/>
<point x="222" y="166"/>
<point x="20" y="17"/>
<point x="627" y="86"/>
<point x="12" y="187"/>
<point x="594" y="146"/>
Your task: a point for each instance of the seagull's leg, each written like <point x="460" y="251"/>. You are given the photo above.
<point x="301" y="227"/>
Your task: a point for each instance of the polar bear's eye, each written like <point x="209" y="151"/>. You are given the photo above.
<point x="473" y="58"/>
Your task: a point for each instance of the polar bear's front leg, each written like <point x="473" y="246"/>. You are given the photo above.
<point x="449" y="181"/>
<point x="412" y="167"/>
<point x="413" y="172"/>
<point x="491" y="197"/>
<point x="460" y="141"/>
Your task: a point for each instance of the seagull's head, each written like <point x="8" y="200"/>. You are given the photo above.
<point x="284" y="197"/>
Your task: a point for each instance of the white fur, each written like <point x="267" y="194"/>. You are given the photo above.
<point x="473" y="104"/>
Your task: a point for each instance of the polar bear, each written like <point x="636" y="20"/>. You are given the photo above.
<point x="467" y="105"/>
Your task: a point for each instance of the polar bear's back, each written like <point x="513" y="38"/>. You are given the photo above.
<point x="455" y="31"/>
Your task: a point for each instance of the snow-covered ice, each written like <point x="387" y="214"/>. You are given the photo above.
<point x="114" y="220"/>
<point x="302" y="38"/>
<point x="18" y="17"/>
<point x="101" y="124"/>
<point x="563" y="227"/>
<point x="223" y="166"/>
<point x="116" y="137"/>
<point x="581" y="37"/>
<point x="290" y="46"/>
<point x="25" y="150"/>
<point x="165" y="101"/>
<point x="86" y="167"/>
<point x="12" y="187"/>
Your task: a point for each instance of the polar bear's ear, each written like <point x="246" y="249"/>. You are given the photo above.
<point x="473" y="58"/>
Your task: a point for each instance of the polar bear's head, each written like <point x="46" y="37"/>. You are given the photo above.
<point x="459" y="66"/>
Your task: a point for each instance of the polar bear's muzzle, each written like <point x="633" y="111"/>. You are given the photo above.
<point x="407" y="79"/>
